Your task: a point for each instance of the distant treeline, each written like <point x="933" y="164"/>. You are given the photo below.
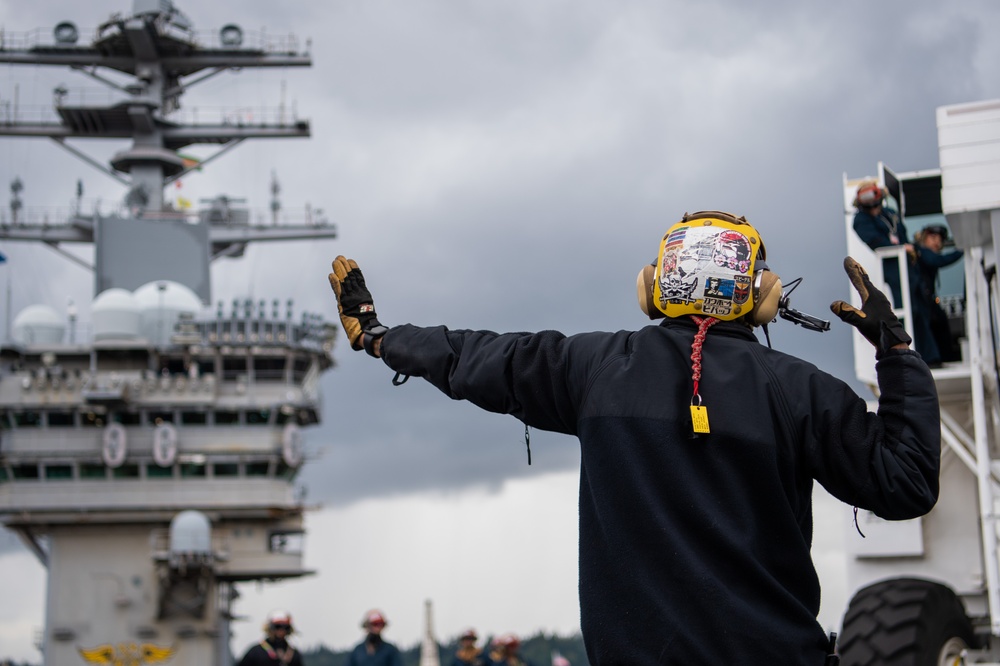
<point x="537" y="649"/>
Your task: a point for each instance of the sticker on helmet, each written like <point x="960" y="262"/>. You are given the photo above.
<point x="716" y="287"/>
<point x="742" y="291"/>
<point x="716" y="307"/>
<point x="708" y="264"/>
<point x="732" y="251"/>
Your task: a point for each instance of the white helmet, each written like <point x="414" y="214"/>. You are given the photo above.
<point x="279" y="619"/>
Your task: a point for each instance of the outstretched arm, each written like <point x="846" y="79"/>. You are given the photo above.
<point x="938" y="259"/>
<point x="516" y="373"/>
<point x="887" y="462"/>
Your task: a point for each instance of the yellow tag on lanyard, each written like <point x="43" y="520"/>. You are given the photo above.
<point x="699" y="419"/>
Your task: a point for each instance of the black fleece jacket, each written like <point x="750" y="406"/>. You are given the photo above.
<point x="695" y="550"/>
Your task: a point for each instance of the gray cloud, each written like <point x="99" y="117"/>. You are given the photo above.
<point x="511" y="165"/>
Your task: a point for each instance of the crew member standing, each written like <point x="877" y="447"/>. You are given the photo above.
<point x="931" y="331"/>
<point x="880" y="226"/>
<point x="699" y="445"/>
<point x="374" y="651"/>
<point x="507" y="652"/>
<point x="467" y="653"/>
<point x="274" y="649"/>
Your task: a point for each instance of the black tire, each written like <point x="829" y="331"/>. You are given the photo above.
<point x="904" y="622"/>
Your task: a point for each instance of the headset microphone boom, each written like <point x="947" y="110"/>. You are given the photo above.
<point x="786" y="312"/>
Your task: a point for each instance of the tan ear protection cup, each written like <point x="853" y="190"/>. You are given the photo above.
<point x="644" y="290"/>
<point x="767" y="298"/>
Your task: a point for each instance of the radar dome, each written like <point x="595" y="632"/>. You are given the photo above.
<point x="190" y="532"/>
<point x="39" y="324"/>
<point x="161" y="304"/>
<point x="115" y="315"/>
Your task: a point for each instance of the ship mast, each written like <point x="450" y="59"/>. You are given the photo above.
<point x="161" y="57"/>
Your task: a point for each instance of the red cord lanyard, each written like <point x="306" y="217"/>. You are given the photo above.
<point x="699" y="413"/>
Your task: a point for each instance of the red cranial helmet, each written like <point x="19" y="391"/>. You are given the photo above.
<point x="869" y="194"/>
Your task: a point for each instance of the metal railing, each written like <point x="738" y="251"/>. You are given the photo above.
<point x="256" y="40"/>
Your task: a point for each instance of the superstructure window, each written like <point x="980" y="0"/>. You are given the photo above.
<point x="27" y="419"/>
<point x="27" y="472"/>
<point x="60" y="419"/>
<point x="93" y="471"/>
<point x="258" y="468"/>
<point x="156" y="472"/>
<point x="127" y="471"/>
<point x="300" y="368"/>
<point x="226" y="469"/>
<point x="194" y="418"/>
<point x="290" y="543"/>
<point x="156" y="418"/>
<point x="192" y="470"/>
<point x="92" y="419"/>
<point x="121" y="359"/>
<point x="227" y="417"/>
<point x="233" y="368"/>
<point x="269" y="369"/>
<point x="204" y="366"/>
<point x="258" y="416"/>
<point x="58" y="472"/>
<point x="125" y="418"/>
<point x="174" y="366"/>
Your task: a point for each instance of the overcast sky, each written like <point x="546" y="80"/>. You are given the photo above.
<point x="508" y="165"/>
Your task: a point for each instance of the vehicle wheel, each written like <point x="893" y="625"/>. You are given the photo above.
<point x="904" y="622"/>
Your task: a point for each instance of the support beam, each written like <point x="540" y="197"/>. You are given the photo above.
<point x="31" y="541"/>
<point x="72" y="257"/>
<point x="977" y="313"/>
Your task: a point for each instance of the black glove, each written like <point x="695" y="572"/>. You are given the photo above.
<point x="875" y="319"/>
<point x="354" y="303"/>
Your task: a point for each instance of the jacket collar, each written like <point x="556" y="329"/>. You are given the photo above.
<point x="729" y="329"/>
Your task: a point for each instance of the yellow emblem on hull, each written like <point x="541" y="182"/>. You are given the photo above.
<point x="127" y="654"/>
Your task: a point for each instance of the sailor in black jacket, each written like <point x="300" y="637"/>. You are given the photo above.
<point x="699" y="446"/>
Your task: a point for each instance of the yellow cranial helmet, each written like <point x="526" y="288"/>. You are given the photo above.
<point x="710" y="263"/>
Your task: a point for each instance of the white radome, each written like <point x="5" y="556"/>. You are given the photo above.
<point x="161" y="304"/>
<point x="39" y="324"/>
<point x="115" y="314"/>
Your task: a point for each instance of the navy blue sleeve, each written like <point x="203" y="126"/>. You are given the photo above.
<point x="888" y="462"/>
<point x="935" y="260"/>
<point x="537" y="377"/>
